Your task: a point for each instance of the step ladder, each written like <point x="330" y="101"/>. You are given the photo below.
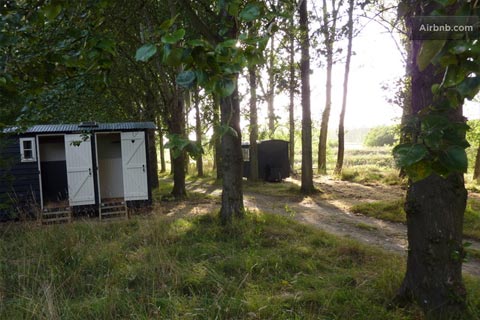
<point x="56" y="215"/>
<point x="111" y="210"/>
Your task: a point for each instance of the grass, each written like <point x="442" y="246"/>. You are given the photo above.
<point x="266" y="267"/>
<point x="371" y="174"/>
<point x="384" y="210"/>
<point x="393" y="211"/>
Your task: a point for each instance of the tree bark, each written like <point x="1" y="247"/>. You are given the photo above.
<point x="271" y="90"/>
<point x="253" y="176"/>
<point x="217" y="139"/>
<point x="307" y="172"/>
<point x="149" y="111"/>
<point x="329" y="34"/>
<point x="198" y="132"/>
<point x="152" y="156"/>
<point x="232" y="160"/>
<point x="163" y="167"/>
<point x="476" y="171"/>
<point x="291" y="106"/>
<point x="341" y="124"/>
<point x="435" y="209"/>
<point x="177" y="126"/>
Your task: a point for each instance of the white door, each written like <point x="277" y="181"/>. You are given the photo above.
<point x="134" y="162"/>
<point x="78" y="154"/>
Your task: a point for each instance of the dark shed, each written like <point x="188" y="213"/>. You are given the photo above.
<point x="273" y="161"/>
<point x="75" y="165"/>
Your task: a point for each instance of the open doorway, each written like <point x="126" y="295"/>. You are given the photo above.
<point x="109" y="157"/>
<point x="53" y="168"/>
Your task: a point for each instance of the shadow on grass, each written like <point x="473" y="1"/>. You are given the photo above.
<point x="262" y="267"/>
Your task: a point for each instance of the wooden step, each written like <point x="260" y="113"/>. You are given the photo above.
<point x="56" y="215"/>
<point x="112" y="210"/>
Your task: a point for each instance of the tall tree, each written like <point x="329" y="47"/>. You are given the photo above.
<point x="198" y="131"/>
<point x="341" y="124"/>
<point x="307" y="171"/>
<point x="214" y="59"/>
<point x="329" y="31"/>
<point x="443" y="74"/>
<point x="253" y="154"/>
<point x="271" y="88"/>
<point x="291" y="94"/>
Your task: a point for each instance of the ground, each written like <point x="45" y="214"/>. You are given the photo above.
<point x="328" y="210"/>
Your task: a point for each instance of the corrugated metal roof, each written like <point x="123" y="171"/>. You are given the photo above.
<point x="119" y="126"/>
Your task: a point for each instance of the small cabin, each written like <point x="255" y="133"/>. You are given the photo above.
<point x="87" y="167"/>
<point x="273" y="160"/>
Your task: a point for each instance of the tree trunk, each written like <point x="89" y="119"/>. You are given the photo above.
<point x="198" y="133"/>
<point x="341" y="126"/>
<point x="253" y="156"/>
<point x="177" y="126"/>
<point x="152" y="156"/>
<point x="188" y="107"/>
<point x="476" y="171"/>
<point x="435" y="209"/>
<point x="217" y="139"/>
<point x="163" y="167"/>
<point x="271" y="90"/>
<point x="291" y="106"/>
<point x="329" y="34"/>
<point x="149" y="114"/>
<point x="307" y="172"/>
<point x="232" y="160"/>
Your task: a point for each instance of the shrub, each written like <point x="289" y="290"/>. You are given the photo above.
<point x="381" y="136"/>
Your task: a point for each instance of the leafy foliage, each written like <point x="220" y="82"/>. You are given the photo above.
<point x="49" y="50"/>
<point x="178" y="145"/>
<point x="211" y="63"/>
<point x="381" y="136"/>
<point x="441" y="137"/>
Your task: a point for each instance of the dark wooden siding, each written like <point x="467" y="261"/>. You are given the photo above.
<point x="19" y="181"/>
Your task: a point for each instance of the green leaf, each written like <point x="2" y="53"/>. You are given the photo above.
<point x="168" y="23"/>
<point x="196" y="43"/>
<point x="419" y="170"/>
<point x="469" y="87"/>
<point x="407" y="154"/>
<point x="428" y="50"/>
<point x="175" y="57"/>
<point x="250" y="12"/>
<point x="225" y="87"/>
<point x="186" y="79"/>
<point x="145" y="52"/>
<point x="3" y="81"/>
<point x="167" y="49"/>
<point x="226" y="129"/>
<point x="174" y="37"/>
<point x="454" y="159"/>
<point x="51" y="11"/>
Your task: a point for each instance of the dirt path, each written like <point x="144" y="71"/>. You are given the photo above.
<point x="329" y="211"/>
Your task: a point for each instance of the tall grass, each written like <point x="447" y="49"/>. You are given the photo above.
<point x="266" y="267"/>
<point x="393" y="211"/>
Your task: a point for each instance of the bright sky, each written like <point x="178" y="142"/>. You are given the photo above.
<point x="376" y="62"/>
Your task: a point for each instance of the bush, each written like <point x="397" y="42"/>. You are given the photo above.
<point x="381" y="136"/>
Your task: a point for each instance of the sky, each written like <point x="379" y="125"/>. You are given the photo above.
<point x="377" y="62"/>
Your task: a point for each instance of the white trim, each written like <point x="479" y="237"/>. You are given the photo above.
<point x="33" y="149"/>
<point x="97" y="167"/>
<point x="39" y="172"/>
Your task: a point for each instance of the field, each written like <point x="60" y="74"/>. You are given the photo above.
<point x="178" y="262"/>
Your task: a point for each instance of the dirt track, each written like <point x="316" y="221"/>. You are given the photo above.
<point x="331" y="214"/>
